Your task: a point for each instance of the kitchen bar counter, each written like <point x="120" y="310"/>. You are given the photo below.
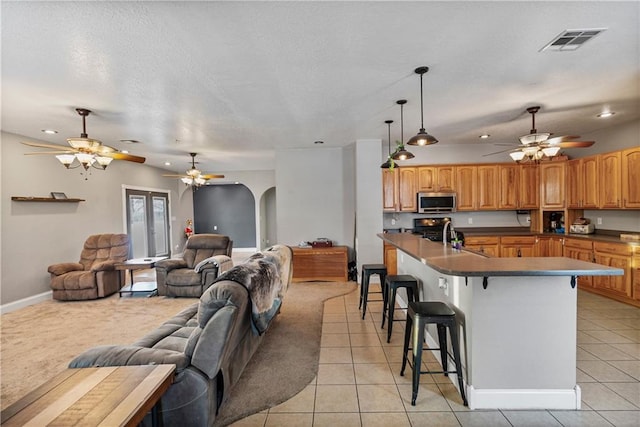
<point x="517" y="320"/>
<point x="605" y="236"/>
<point x="446" y="260"/>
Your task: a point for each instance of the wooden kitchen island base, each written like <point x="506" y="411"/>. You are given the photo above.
<point x="321" y="264"/>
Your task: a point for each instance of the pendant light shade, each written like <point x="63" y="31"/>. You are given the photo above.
<point x="422" y="138"/>
<point x="387" y="164"/>
<point x="401" y="153"/>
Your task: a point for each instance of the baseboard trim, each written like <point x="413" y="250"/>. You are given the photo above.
<point x="25" y="302"/>
<point x="524" y="398"/>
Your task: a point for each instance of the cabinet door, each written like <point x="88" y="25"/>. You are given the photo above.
<point x="620" y="285"/>
<point x="552" y="185"/>
<point x="610" y="177"/>
<point x="446" y="178"/>
<point x="390" y="190"/>
<point x="427" y="179"/>
<point x="581" y="250"/>
<point x="487" y="195"/>
<point x="391" y="259"/>
<point x="509" y="184"/>
<point x="408" y="199"/>
<point x="529" y="187"/>
<point x="574" y="193"/>
<point x="631" y="178"/>
<point x="508" y="251"/>
<point x="548" y="246"/>
<point x="466" y="183"/>
<point x="589" y="182"/>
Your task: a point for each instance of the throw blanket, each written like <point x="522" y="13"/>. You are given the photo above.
<point x="262" y="275"/>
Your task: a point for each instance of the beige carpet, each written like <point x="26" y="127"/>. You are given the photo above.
<point x="38" y="342"/>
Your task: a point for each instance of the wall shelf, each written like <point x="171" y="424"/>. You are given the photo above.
<point x="44" y="199"/>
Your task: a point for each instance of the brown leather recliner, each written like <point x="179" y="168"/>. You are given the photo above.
<point x="205" y="256"/>
<point x="95" y="275"/>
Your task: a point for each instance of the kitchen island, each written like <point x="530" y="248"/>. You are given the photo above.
<point x="517" y="320"/>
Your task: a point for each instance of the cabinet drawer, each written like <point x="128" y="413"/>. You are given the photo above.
<point x="579" y="244"/>
<point x="481" y="240"/>
<point x="518" y="240"/>
<point x="612" y="248"/>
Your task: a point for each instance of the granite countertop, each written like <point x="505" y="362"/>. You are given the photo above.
<point x="602" y="236"/>
<point x="468" y="263"/>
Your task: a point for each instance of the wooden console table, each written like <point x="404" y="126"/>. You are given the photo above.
<point x="109" y="396"/>
<point x="322" y="264"/>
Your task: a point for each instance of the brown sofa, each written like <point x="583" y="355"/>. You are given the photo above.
<point x="205" y="256"/>
<point x="94" y="276"/>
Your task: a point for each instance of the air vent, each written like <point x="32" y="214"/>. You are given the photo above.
<point x="572" y="39"/>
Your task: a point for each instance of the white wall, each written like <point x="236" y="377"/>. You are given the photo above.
<point x="368" y="202"/>
<point x="35" y="235"/>
<point x="310" y="198"/>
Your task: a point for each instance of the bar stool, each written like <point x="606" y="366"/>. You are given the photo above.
<point x="391" y="285"/>
<point x="419" y="314"/>
<point x="367" y="271"/>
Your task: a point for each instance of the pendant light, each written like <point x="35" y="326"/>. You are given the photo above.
<point x="401" y="153"/>
<point x="422" y="138"/>
<point x="387" y="164"/>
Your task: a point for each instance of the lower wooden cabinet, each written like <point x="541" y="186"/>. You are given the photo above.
<point x="489" y="245"/>
<point x="552" y="246"/>
<point x="391" y="258"/>
<point x="323" y="264"/>
<point x="517" y="246"/>
<point x="618" y="256"/>
<point x="582" y="250"/>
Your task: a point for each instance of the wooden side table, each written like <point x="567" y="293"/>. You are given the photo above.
<point x="109" y="396"/>
<point x="322" y="264"/>
<point x="139" y="264"/>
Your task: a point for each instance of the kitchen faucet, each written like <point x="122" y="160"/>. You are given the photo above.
<point x="444" y="232"/>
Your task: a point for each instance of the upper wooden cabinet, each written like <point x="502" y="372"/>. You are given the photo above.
<point x="488" y="191"/>
<point x="582" y="183"/>
<point x="466" y="188"/>
<point x="529" y="195"/>
<point x="509" y="186"/>
<point x="552" y="176"/>
<point x="610" y="180"/>
<point x="436" y="179"/>
<point x="389" y="190"/>
<point x="631" y="178"/>
<point x="407" y="193"/>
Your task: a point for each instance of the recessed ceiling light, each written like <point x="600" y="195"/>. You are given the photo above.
<point x="484" y="136"/>
<point x="318" y="142"/>
<point x="167" y="163"/>
<point x="606" y="114"/>
<point x="50" y="131"/>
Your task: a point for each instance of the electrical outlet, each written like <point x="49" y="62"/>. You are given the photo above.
<point x="215" y="227"/>
<point x="599" y="221"/>
<point x="393" y="221"/>
<point x="528" y="220"/>
<point x="470" y="220"/>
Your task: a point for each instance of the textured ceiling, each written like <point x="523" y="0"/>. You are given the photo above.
<point x="235" y="81"/>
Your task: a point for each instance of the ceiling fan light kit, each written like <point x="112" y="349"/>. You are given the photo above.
<point x="422" y="138"/>
<point x="194" y="176"/>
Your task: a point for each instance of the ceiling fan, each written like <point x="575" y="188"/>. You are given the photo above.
<point x="89" y="152"/>
<point x="534" y="146"/>
<point x="194" y="176"/>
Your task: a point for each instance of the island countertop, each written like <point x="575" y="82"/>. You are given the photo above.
<point x="447" y="260"/>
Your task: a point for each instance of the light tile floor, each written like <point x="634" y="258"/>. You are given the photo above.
<point x="358" y="382"/>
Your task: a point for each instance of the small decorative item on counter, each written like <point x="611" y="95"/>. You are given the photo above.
<point x="456" y="244"/>
<point x="188" y="230"/>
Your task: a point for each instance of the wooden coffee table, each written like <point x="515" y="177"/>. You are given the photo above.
<point x="109" y="396"/>
<point x="139" y="264"/>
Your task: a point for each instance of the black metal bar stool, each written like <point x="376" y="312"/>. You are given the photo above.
<point x="391" y="285"/>
<point x="367" y="271"/>
<point x="419" y="314"/>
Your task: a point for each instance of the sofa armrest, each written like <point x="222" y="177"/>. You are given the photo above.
<point x="221" y="262"/>
<point x="128" y="355"/>
<point x="64" y="268"/>
<point x="107" y="265"/>
<point x="171" y="264"/>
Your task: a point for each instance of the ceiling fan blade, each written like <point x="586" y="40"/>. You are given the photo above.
<point x="175" y="176"/>
<point x="45" y="145"/>
<point x="212" y="175"/>
<point x="558" y="139"/>
<point x="51" y="152"/>
<point x="575" y="144"/>
<point x="123" y="156"/>
<point x="499" y="152"/>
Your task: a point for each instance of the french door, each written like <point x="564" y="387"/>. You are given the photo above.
<point x="148" y="223"/>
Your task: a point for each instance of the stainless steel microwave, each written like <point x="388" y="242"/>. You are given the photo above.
<point x="436" y="202"/>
